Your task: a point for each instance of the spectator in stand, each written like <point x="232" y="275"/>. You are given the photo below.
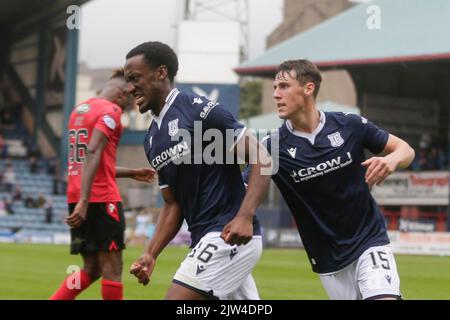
<point x="7" y="119"/>
<point x="3" y="147"/>
<point x="1" y="181"/>
<point x="51" y="166"/>
<point x="433" y="158"/>
<point x="8" y="205"/>
<point x="33" y="163"/>
<point x="442" y="155"/>
<point x="59" y="180"/>
<point x="432" y="154"/>
<point x="2" y="94"/>
<point x="424" y="145"/>
<point x="32" y="147"/>
<point x="151" y="227"/>
<point x="17" y="195"/>
<point x="2" y="208"/>
<point x="29" y="201"/>
<point x="41" y="200"/>
<point x="9" y="177"/>
<point x="140" y="231"/>
<point x="48" y="211"/>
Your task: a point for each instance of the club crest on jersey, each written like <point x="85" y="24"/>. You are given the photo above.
<point x="336" y="139"/>
<point x="173" y="127"/>
<point x="83" y="108"/>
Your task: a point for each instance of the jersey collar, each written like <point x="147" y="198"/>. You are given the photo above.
<point x="168" y="102"/>
<point x="310" y="136"/>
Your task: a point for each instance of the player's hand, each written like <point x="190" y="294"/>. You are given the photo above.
<point x="239" y="230"/>
<point x="378" y="169"/>
<point x="143" y="268"/>
<point x="144" y="174"/>
<point x="78" y="215"/>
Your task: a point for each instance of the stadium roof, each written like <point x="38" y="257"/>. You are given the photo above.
<point x="19" y="15"/>
<point x="411" y="31"/>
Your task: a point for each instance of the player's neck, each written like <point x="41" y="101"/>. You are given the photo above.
<point x="107" y="94"/>
<point x="306" y="120"/>
<point x="162" y="101"/>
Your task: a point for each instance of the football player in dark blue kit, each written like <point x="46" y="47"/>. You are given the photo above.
<point x="210" y="195"/>
<point x="325" y="180"/>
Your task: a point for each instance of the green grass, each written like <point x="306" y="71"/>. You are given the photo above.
<point x="35" y="271"/>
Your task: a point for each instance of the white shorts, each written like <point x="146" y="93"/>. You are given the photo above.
<point x="220" y="270"/>
<point x="373" y="275"/>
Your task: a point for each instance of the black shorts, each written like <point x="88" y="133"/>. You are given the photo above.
<point x="103" y="229"/>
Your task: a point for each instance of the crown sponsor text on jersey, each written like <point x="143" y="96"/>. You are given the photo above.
<point x="170" y="154"/>
<point x="322" y="168"/>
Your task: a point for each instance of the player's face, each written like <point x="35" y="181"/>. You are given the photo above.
<point x="124" y="98"/>
<point x="144" y="84"/>
<point x="288" y="94"/>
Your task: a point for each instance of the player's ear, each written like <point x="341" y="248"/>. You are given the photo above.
<point x="309" y="88"/>
<point x="162" y="72"/>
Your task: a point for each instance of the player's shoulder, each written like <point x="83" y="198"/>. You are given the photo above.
<point x="199" y="106"/>
<point x="188" y="99"/>
<point x="107" y="106"/>
<point x="345" y="118"/>
<point x="83" y="107"/>
<point x="96" y="106"/>
<point x="271" y="136"/>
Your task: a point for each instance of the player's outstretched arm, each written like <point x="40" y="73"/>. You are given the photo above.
<point x="240" y="229"/>
<point x="139" y="174"/>
<point x="169" y="223"/>
<point x="398" y="154"/>
<point x="94" y="152"/>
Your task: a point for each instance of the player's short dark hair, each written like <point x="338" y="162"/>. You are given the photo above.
<point x="306" y="72"/>
<point x="157" y="54"/>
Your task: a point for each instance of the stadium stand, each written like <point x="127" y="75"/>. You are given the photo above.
<point x="28" y="220"/>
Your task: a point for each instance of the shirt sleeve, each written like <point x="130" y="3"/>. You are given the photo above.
<point x="266" y="142"/>
<point x="108" y="122"/>
<point x="374" y="138"/>
<point x="216" y="116"/>
<point x="162" y="183"/>
<point x="246" y="174"/>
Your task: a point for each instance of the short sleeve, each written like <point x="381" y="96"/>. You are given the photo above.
<point x="374" y="138"/>
<point x="148" y="143"/>
<point x="246" y="174"/>
<point x="108" y="122"/>
<point x="267" y="143"/>
<point x="162" y="183"/>
<point x="218" y="117"/>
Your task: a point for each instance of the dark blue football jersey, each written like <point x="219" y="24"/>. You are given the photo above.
<point x="209" y="194"/>
<point x="321" y="179"/>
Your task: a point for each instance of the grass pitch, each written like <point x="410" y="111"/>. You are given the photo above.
<point x="31" y="271"/>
